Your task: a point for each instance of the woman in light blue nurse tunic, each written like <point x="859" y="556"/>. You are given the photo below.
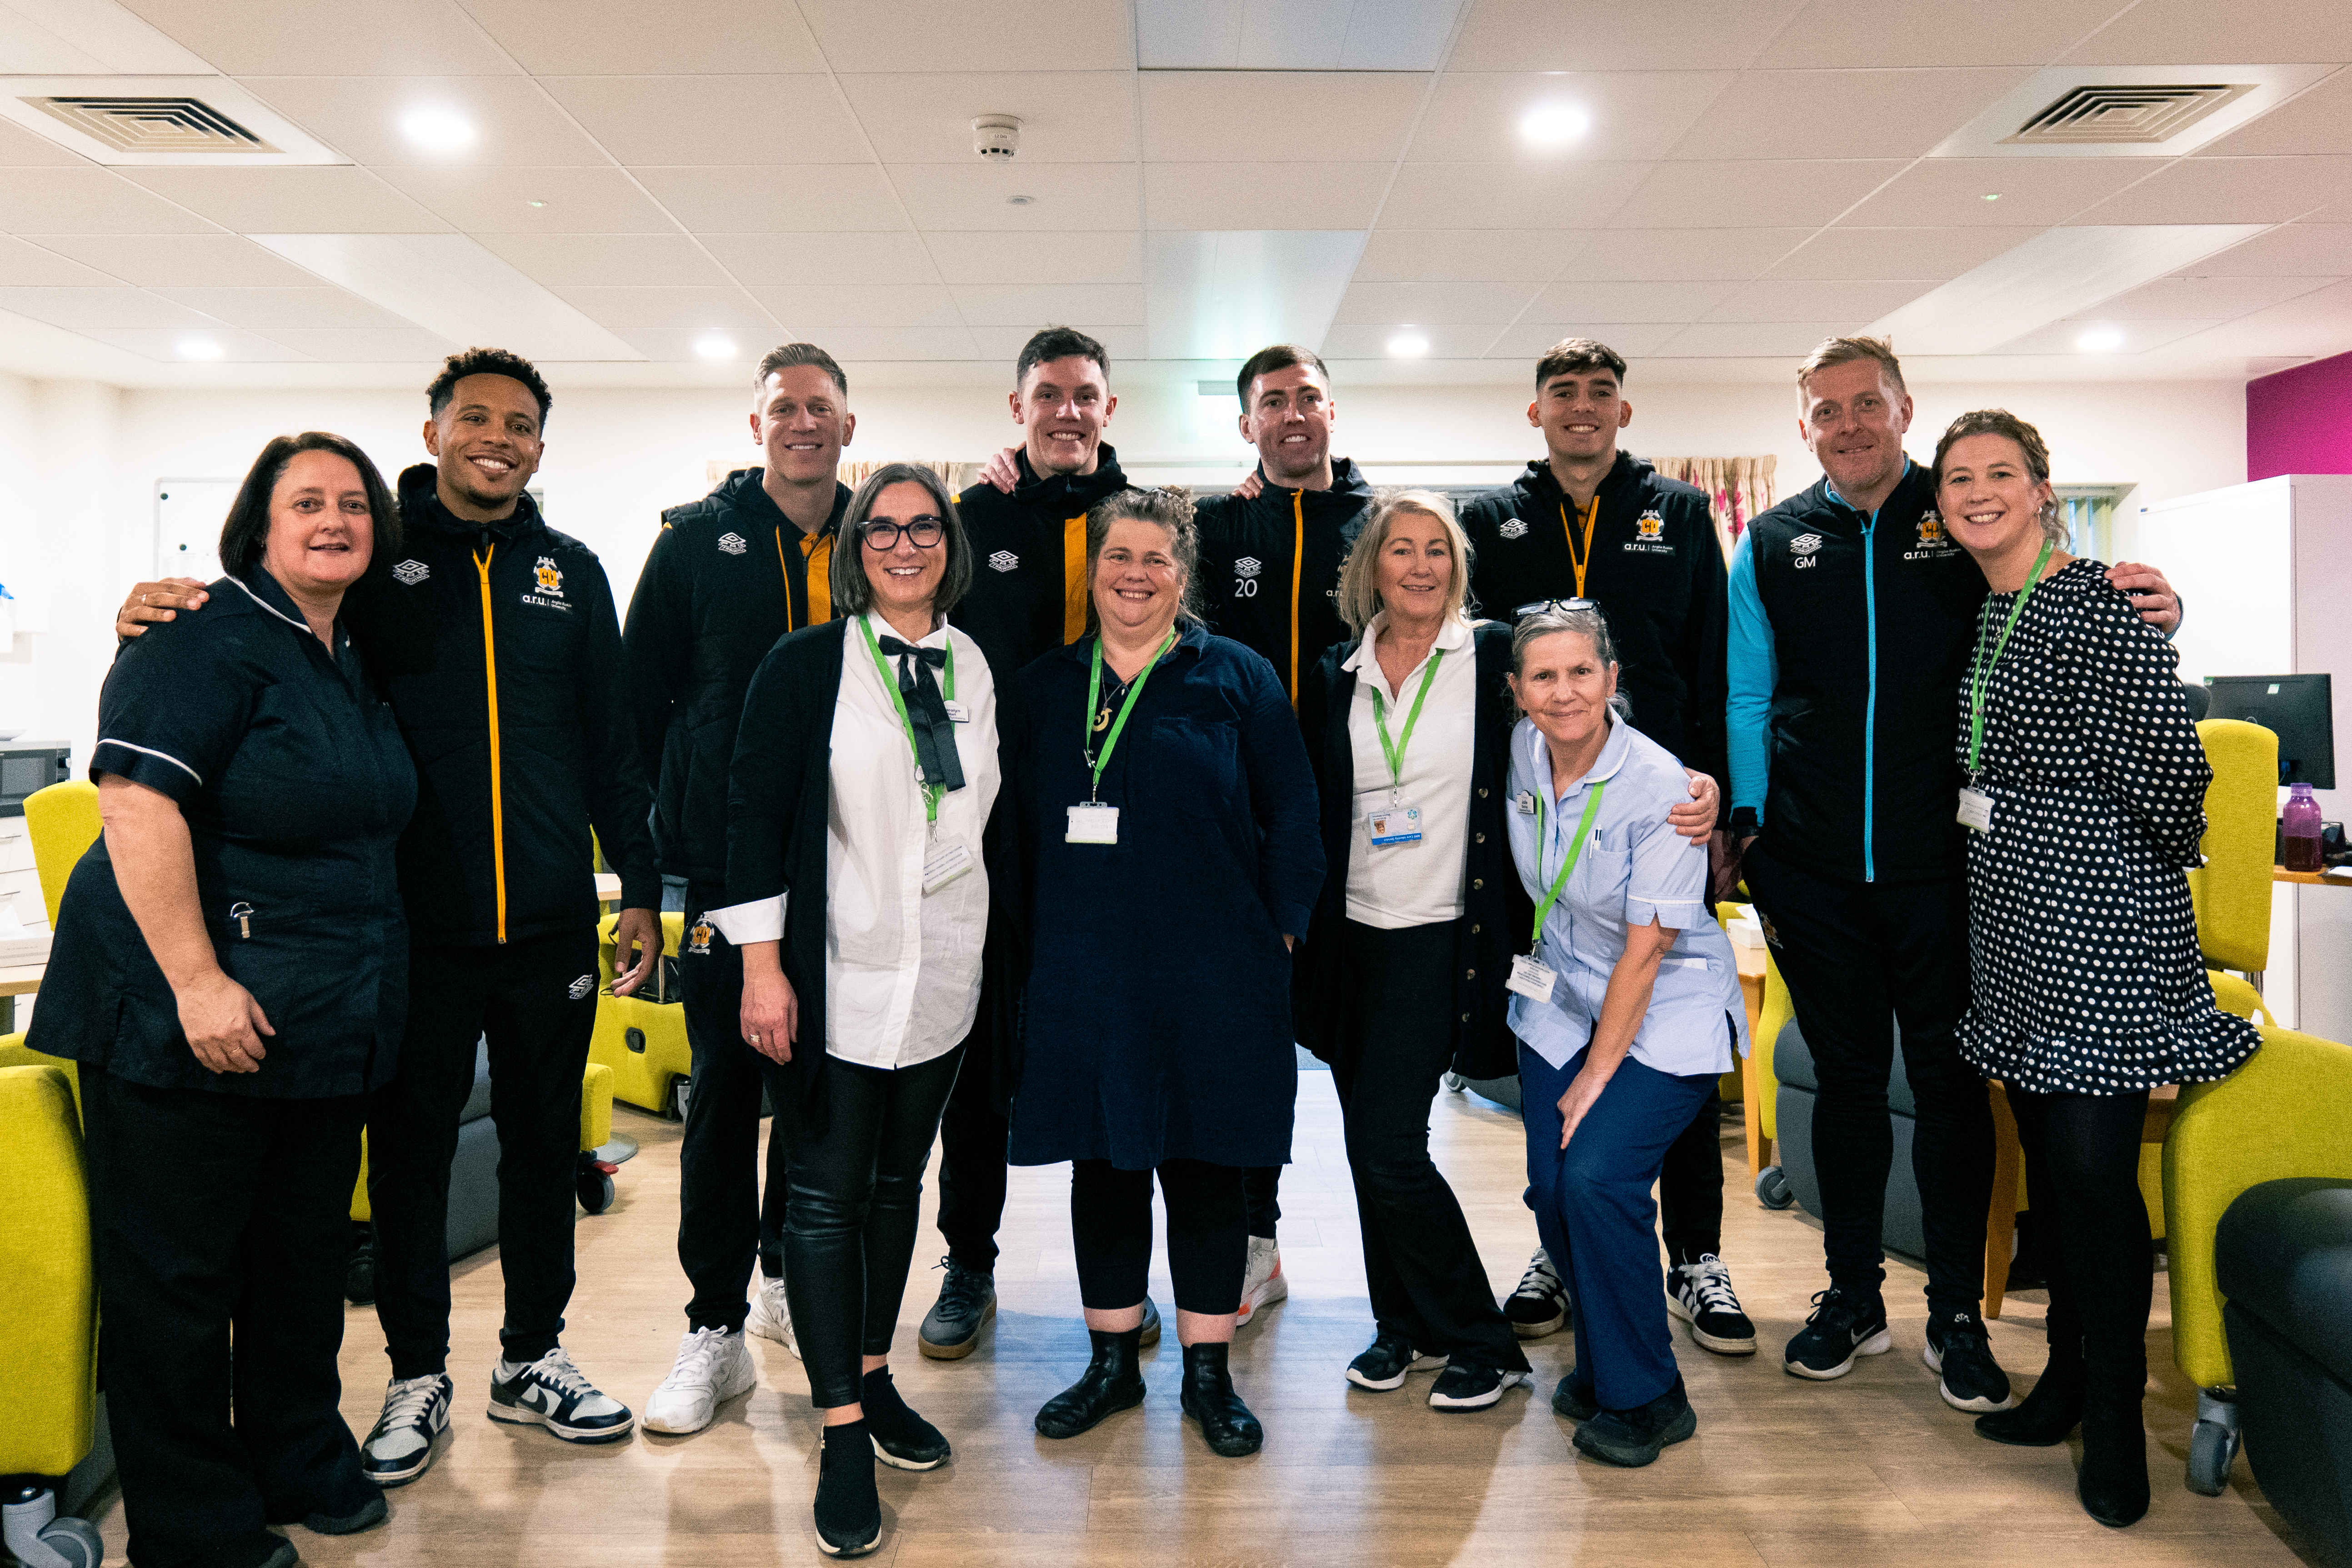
<point x="1627" y="1011"/>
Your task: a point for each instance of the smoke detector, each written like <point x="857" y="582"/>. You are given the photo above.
<point x="996" y="138"/>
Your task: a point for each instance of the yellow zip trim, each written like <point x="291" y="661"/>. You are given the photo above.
<point x="1074" y="578"/>
<point x="1297" y="565"/>
<point x="497" y="800"/>
<point x="817" y="550"/>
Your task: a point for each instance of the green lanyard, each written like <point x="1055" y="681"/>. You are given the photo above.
<point x="931" y="792"/>
<point x="1395" y="750"/>
<point x="1575" y="851"/>
<point x="1980" y="668"/>
<point x="1094" y="695"/>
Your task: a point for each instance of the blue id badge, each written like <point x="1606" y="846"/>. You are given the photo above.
<point x="1395" y="825"/>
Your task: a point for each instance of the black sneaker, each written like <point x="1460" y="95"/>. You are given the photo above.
<point x="551" y="1392"/>
<point x="1539" y="1306"/>
<point x="399" y="1446"/>
<point x="1841" y="1328"/>
<point x="1634" y="1438"/>
<point x="1466" y="1385"/>
<point x="902" y="1440"/>
<point x="1575" y="1399"/>
<point x="1957" y="1348"/>
<point x="1383" y="1366"/>
<point x="951" y="1330"/>
<point x="1700" y="1295"/>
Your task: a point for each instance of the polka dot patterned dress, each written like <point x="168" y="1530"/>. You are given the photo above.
<point x="2087" y="977"/>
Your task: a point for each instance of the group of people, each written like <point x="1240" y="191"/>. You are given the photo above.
<point x="939" y="772"/>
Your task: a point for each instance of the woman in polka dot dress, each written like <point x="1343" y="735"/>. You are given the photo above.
<point x="2085" y="803"/>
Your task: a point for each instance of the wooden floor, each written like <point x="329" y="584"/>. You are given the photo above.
<point x="1871" y="1470"/>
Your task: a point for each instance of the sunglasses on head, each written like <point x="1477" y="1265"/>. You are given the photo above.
<point x="1553" y="606"/>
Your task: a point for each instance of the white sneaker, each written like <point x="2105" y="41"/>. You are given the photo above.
<point x="1262" y="1283"/>
<point x="400" y="1445"/>
<point x="713" y="1367"/>
<point x="551" y="1392"/>
<point x="771" y="1316"/>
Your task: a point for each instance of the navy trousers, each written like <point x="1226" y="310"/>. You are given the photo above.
<point x="1595" y="1216"/>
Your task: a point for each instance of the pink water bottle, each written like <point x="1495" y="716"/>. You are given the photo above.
<point x="2299" y="826"/>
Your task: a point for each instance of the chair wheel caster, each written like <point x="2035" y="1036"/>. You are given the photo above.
<point x="594" y="1183"/>
<point x="36" y="1538"/>
<point x="2213" y="1444"/>
<point x="1773" y="1189"/>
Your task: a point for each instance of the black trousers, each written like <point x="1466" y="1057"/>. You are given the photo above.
<point x="1395" y="1039"/>
<point x="974" y="1137"/>
<point x="1856" y="957"/>
<point x="724" y="1217"/>
<point x="1261" y="1201"/>
<point x="217" y="1216"/>
<point x="849" y="1234"/>
<point x="2081" y="1166"/>
<point x="1110" y="1229"/>
<point x="535" y="1003"/>
<point x="1690" y="1187"/>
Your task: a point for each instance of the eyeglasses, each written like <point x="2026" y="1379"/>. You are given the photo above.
<point x="1554" y="607"/>
<point x="882" y="534"/>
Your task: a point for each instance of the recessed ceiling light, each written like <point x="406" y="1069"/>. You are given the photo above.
<point x="438" y="131"/>
<point x="1409" y="344"/>
<point x="1992" y="195"/>
<point x="1551" y="126"/>
<point x="199" y="348"/>
<point x="2100" y="341"/>
<point x="534" y="203"/>
<point x="1021" y="201"/>
<point x="714" y="346"/>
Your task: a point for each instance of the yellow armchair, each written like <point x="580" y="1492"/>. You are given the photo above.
<point x="62" y="822"/>
<point x="641" y="1039"/>
<point x="1759" y="1088"/>
<point x="2232" y="891"/>
<point x="16" y="1053"/>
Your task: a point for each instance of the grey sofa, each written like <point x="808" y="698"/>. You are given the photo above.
<point x="1792" y="1061"/>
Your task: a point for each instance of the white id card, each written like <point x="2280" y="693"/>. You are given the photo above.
<point x="944" y="864"/>
<point x="957" y="712"/>
<point x="1093" y="823"/>
<point x="1529" y="978"/>
<point x="1976" y="810"/>
<point x="1524" y="803"/>
<point x="1395" y="825"/>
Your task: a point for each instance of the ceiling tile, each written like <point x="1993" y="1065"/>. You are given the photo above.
<point x="1366" y="342"/>
<point x="677" y="345"/>
<point x="181" y="260"/>
<point x="121" y="308"/>
<point x="1510" y="195"/>
<point x="1934" y="253"/>
<point x="1695" y="255"/>
<point x="1033" y="305"/>
<point x="855" y="306"/>
<point x="2228" y="190"/>
<point x="20" y="149"/>
<point x="331" y="38"/>
<point x="2318" y="121"/>
<point x="1738" y="194"/>
<point x="1468" y="254"/>
<point x="1791" y="340"/>
<point x="2215" y="298"/>
<point x="609" y="260"/>
<point x="1202" y="117"/>
<point x="1475" y="118"/>
<point x="2313" y="323"/>
<point x="1084" y="255"/>
<point x="2065" y="337"/>
<point x="2297" y="249"/>
<point x="315" y="305"/>
<point x="1066" y="117"/>
<point x="1856" y="33"/>
<point x="290" y="200"/>
<point x="1785" y="299"/>
<point x="1879" y="114"/>
<point x="676" y="120"/>
<point x="235" y="347"/>
<point x="1263" y="196"/>
<point x="359" y="117"/>
<point x="563" y="38"/>
<point x="1529" y="339"/>
<point x="683" y="308"/>
<point x="365" y="345"/>
<point x="1596" y="35"/>
<point x="1608" y="303"/>
<point x="880" y="344"/>
<point x="1941" y="192"/>
<point x="1434" y="304"/>
<point x="86" y="200"/>
<point x="976" y="196"/>
<point x="498" y="201"/>
<point x="973" y="35"/>
<point x="752" y="198"/>
<point x="882" y="257"/>
<point x="2189" y="32"/>
<point x="25" y="265"/>
<point x="1003" y="344"/>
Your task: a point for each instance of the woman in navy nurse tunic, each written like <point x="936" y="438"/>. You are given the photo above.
<point x="230" y="969"/>
<point x="1166" y="814"/>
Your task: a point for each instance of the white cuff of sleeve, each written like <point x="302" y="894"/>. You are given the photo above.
<point x="761" y="920"/>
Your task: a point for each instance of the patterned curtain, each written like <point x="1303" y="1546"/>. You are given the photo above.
<point x="1738" y="487"/>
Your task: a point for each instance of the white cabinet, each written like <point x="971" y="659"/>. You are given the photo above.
<point x="20" y="885"/>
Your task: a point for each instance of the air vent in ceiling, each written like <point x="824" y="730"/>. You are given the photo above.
<point x="2120" y="115"/>
<point x="155" y="124"/>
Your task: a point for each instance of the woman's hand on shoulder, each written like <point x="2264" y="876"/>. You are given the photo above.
<point x="224" y="1024"/>
<point x="771" y="1014"/>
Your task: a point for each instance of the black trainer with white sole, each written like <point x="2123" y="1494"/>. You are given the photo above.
<point x="1958" y="1352"/>
<point x="1540" y="1305"/>
<point x="1700" y="1294"/>
<point x="1841" y="1327"/>
<point x="399" y="1446"/>
<point x="1466" y="1385"/>
<point x="1385" y="1361"/>
<point x="902" y="1440"/>
<point x="551" y="1392"/>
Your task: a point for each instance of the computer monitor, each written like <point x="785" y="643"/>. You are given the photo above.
<point x="2293" y="707"/>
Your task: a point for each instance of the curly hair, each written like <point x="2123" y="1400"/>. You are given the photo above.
<point x="2009" y="426"/>
<point x="485" y="361"/>
<point x="1170" y="509"/>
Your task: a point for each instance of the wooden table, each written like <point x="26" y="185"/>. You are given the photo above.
<point x="2340" y="877"/>
<point x="608" y="887"/>
<point x="1751" y="961"/>
<point x="17" y="979"/>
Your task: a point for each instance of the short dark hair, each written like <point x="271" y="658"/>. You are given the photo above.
<point x="1170" y="509"/>
<point x="852" y="593"/>
<point x="1058" y="342"/>
<point x="246" y="534"/>
<point x="784" y="356"/>
<point x="485" y="361"/>
<point x="1274" y="357"/>
<point x="1572" y="356"/>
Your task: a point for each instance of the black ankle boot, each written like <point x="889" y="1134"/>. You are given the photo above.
<point x="1110" y="1384"/>
<point x="2113" y="1485"/>
<point x="848" y="1510"/>
<point x="1209" y="1398"/>
<point x="2044" y="1418"/>
<point x="902" y="1440"/>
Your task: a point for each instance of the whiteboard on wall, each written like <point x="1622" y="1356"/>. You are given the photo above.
<point x="188" y="518"/>
<point x="2230" y="555"/>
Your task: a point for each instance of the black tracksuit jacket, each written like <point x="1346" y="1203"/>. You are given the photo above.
<point x="497" y="645"/>
<point x="727" y="577"/>
<point x="1270" y="568"/>
<point x="1028" y="594"/>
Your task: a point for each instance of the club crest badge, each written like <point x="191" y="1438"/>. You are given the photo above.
<point x="1513" y="528"/>
<point x="697" y="938"/>
<point x="1650" y="524"/>
<point x="732" y="543"/>
<point x="1003" y="561"/>
<point x="550" y="579"/>
<point x="1931" y="529"/>
<point x="409" y="574"/>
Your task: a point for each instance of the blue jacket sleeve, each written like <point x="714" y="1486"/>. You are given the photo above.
<point x="1752" y="671"/>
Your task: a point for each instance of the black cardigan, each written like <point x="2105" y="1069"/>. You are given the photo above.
<point x="1497" y="908"/>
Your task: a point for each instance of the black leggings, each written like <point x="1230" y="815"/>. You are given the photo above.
<point x="1110" y="1226"/>
<point x="2082" y="1164"/>
<point x="849" y="1230"/>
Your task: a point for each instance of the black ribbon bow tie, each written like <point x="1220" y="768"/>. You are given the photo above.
<point x="927" y="712"/>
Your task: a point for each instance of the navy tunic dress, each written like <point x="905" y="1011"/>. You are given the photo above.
<point x="1157" y="1014"/>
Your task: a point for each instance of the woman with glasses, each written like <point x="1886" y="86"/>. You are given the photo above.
<point x="863" y="774"/>
<point x="1165" y="814"/>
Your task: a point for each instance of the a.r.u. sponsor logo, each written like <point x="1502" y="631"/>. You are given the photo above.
<point x="548" y="577"/>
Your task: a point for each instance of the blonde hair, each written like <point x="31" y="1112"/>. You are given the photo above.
<point x="1846" y="350"/>
<point x="1359" y="596"/>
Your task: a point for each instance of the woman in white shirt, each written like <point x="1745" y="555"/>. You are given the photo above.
<point x="864" y="774"/>
<point x="1627" y="1013"/>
